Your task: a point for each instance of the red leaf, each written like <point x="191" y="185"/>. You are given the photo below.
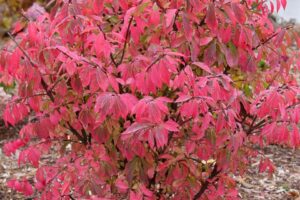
<point x="183" y="98"/>
<point x="295" y="138"/>
<point x="171" y="126"/>
<point x="190" y="146"/>
<point x="187" y="27"/>
<point x="203" y="66"/>
<point x="102" y="46"/>
<point x="65" y="187"/>
<point x="114" y="104"/>
<point x="98" y="6"/>
<point x="205" y="40"/>
<point x="136" y="128"/>
<point x="211" y="19"/>
<point x="135" y="196"/>
<point x="238" y="12"/>
<point x="278" y="3"/>
<point x="283" y="3"/>
<point x="170" y="16"/>
<point x="146" y="191"/>
<point x="266" y="164"/>
<point x="10" y="147"/>
<point x="272" y="6"/>
<point x="21" y="186"/>
<point x="76" y="84"/>
<point x="70" y="67"/>
<point x="121" y="184"/>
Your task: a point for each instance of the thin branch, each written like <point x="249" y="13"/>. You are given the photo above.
<point x="186" y="121"/>
<point x="154" y="62"/>
<point x="205" y="185"/>
<point x="23" y="51"/>
<point x="110" y="55"/>
<point x="158" y="3"/>
<point x="251" y="127"/>
<point x="51" y="87"/>
<point x="270" y="38"/>
<point x="71" y="197"/>
<point x="126" y="40"/>
<point x="202" y="22"/>
<point x="83" y="60"/>
<point x="48" y="5"/>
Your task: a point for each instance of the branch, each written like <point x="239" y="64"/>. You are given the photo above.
<point x="270" y="38"/>
<point x="126" y="40"/>
<point x="251" y="127"/>
<point x="23" y="51"/>
<point x="158" y="3"/>
<point x="154" y="62"/>
<point x="83" y="60"/>
<point x="110" y="55"/>
<point x="205" y="185"/>
<point x="71" y="197"/>
<point x="202" y="22"/>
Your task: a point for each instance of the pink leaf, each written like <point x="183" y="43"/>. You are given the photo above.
<point x="135" y="196"/>
<point x="205" y="40"/>
<point x="187" y="27"/>
<point x="295" y="138"/>
<point x="76" y="84"/>
<point x="170" y="15"/>
<point x="238" y="12"/>
<point x="171" y="126"/>
<point x="183" y="98"/>
<point x="202" y="66"/>
<point x="211" y="19"/>
<point x="21" y="186"/>
<point x="65" y="187"/>
<point x="136" y="128"/>
<point x="121" y="184"/>
<point x="278" y="3"/>
<point x="11" y="147"/>
<point x="146" y="191"/>
<point x="283" y="3"/>
<point x="70" y="67"/>
<point x="98" y="6"/>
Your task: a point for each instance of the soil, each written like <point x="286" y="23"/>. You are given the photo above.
<point x="283" y="184"/>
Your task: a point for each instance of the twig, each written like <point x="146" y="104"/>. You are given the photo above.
<point x="158" y="3"/>
<point x="154" y="62"/>
<point x="126" y="40"/>
<point x="251" y="128"/>
<point x="205" y="185"/>
<point x="110" y="55"/>
<point x="270" y="38"/>
<point x="83" y="60"/>
<point x="48" y="5"/>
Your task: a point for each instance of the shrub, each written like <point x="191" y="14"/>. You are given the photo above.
<point x="150" y="99"/>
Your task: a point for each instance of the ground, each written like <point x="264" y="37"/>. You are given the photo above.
<point x="284" y="184"/>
